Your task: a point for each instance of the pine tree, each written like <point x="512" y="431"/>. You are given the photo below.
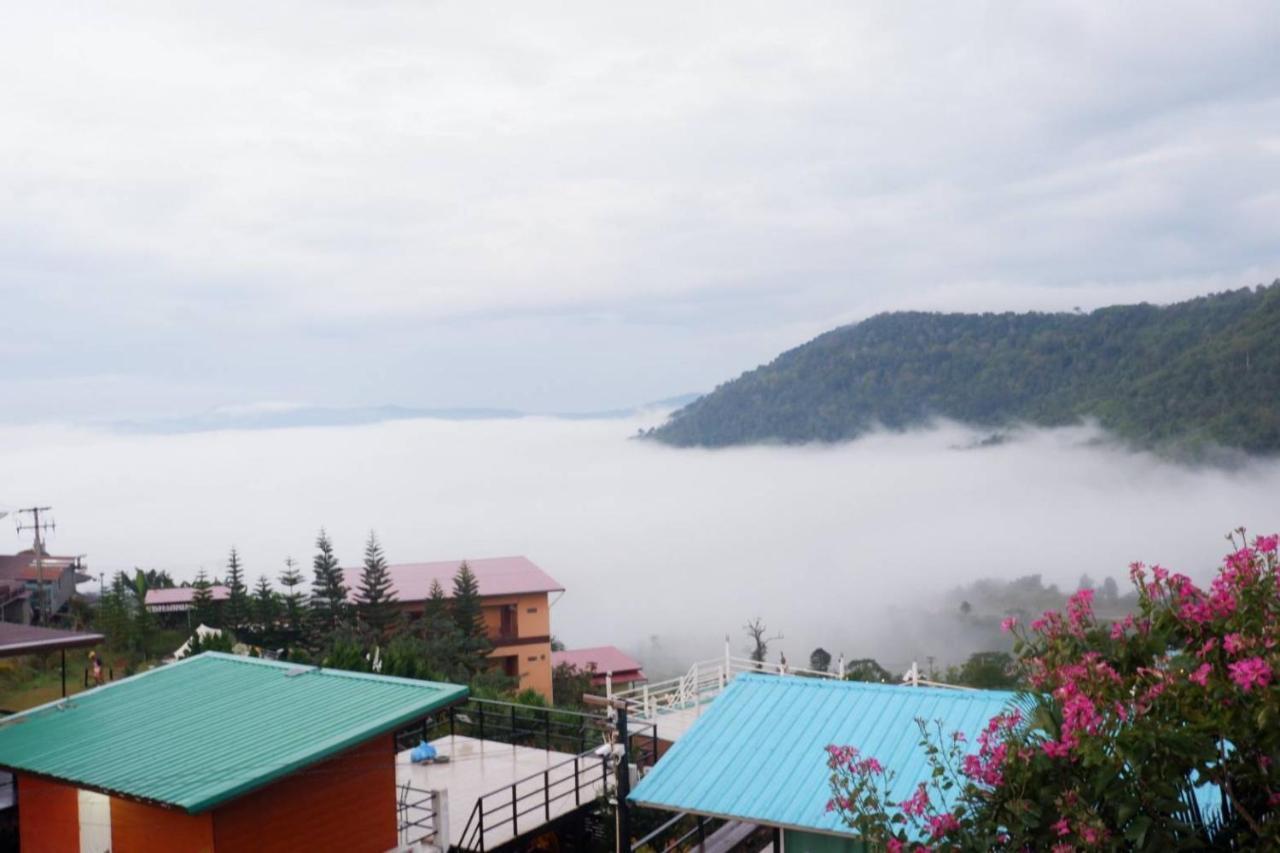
<point x="203" y="610"/>
<point x="442" y="643"/>
<point x="376" y="599"/>
<point x="113" y="613"/>
<point x="468" y="621"/>
<point x="329" y="606"/>
<point x="266" y="607"/>
<point x="236" y="613"/>
<point x="293" y="600"/>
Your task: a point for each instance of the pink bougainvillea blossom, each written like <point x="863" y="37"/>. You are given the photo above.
<point x="1201" y="675"/>
<point x="940" y="825"/>
<point x="1250" y="673"/>
<point x="917" y="804"/>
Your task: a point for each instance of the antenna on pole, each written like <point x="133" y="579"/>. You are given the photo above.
<point x="37" y="527"/>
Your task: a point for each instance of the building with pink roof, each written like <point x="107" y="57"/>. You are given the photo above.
<point x="515" y="596"/>
<point x="181" y="598"/>
<point x="603" y="661"/>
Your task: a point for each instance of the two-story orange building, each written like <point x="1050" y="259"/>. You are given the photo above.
<point x="516" y="598"/>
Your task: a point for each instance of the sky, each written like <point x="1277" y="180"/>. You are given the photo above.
<point x="662" y="551"/>
<point x="574" y="207"/>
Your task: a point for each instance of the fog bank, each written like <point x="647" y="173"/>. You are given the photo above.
<point x="661" y="550"/>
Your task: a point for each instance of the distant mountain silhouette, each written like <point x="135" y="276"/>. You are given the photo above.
<point x="1182" y="377"/>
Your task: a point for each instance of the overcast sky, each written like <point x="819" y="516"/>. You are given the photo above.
<point x="559" y="207"/>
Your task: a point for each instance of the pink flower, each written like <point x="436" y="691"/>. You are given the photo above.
<point x="1062" y="827"/>
<point x="940" y="825"/>
<point x="1267" y="544"/>
<point x="1080" y="609"/>
<point x="1233" y="643"/>
<point x="1056" y="749"/>
<point x="1008" y="623"/>
<point x="1201" y="675"/>
<point x="868" y="766"/>
<point x="1091" y="835"/>
<point x="1250" y="673"/>
<point x="917" y="804"/>
<point x="893" y="845"/>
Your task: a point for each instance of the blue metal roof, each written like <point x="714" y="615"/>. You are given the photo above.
<point x="758" y="752"/>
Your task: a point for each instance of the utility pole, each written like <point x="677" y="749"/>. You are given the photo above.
<point x="37" y="527"/>
<point x="619" y="708"/>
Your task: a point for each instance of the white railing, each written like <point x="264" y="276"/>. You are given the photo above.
<point x="702" y="683"/>
<point x="706" y="679"/>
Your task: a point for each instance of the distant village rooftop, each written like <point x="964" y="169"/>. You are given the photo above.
<point x="494" y="575"/>
<point x="604" y="661"/>
<point x="32" y="639"/>
<point x="180" y="598"/>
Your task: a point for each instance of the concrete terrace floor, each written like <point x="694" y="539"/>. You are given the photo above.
<point x="477" y="768"/>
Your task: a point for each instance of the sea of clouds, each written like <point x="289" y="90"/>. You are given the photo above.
<point x="662" y="551"/>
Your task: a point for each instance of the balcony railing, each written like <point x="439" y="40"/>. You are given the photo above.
<point x="552" y="729"/>
<point x="418" y="815"/>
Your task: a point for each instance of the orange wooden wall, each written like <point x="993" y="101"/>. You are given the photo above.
<point x="144" y="828"/>
<point x="345" y="803"/>
<point x="48" y="816"/>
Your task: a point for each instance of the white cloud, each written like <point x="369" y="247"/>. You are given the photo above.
<point x="822" y="542"/>
<point x="235" y="187"/>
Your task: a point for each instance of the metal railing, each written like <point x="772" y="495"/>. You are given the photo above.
<point x="680" y="833"/>
<point x="536" y="799"/>
<point x="507" y="722"/>
<point x="416" y="813"/>
<point x="499" y="812"/>
<point x="703" y="682"/>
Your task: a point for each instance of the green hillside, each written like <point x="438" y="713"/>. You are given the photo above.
<point x="1180" y="377"/>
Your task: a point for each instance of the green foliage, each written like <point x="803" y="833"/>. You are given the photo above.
<point x="203" y="609"/>
<point x="329" y="608"/>
<point x="568" y="684"/>
<point x="235" y="613"/>
<point x="987" y="670"/>
<point x="1181" y="378"/>
<point x="223" y="642"/>
<point x="376" y="606"/>
<point x="468" y="621"/>
<point x="1154" y="732"/>
<point x="867" y="669"/>
<point x="293" y="604"/>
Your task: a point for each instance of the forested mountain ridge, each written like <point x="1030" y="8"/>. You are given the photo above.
<point x="1185" y="376"/>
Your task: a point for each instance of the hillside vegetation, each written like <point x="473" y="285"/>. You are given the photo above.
<point x="1186" y="376"/>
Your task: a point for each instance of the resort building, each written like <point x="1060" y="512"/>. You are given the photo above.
<point x="218" y="753"/>
<point x="23" y="598"/>
<point x="610" y="667"/>
<point x="516" y="598"/>
<point x="181" y="599"/>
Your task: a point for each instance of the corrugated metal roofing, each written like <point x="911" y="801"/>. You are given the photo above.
<point x="494" y="576"/>
<point x="184" y="595"/>
<point x="602" y="658"/>
<point x="758" y="752"/>
<point x="212" y="727"/>
<point x="24" y="639"/>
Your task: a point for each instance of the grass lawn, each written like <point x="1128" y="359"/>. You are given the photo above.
<point x="41" y="688"/>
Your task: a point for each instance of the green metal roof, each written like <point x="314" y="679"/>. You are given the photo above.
<point x="212" y="727"/>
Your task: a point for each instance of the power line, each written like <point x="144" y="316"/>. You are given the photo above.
<point x="37" y="527"/>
